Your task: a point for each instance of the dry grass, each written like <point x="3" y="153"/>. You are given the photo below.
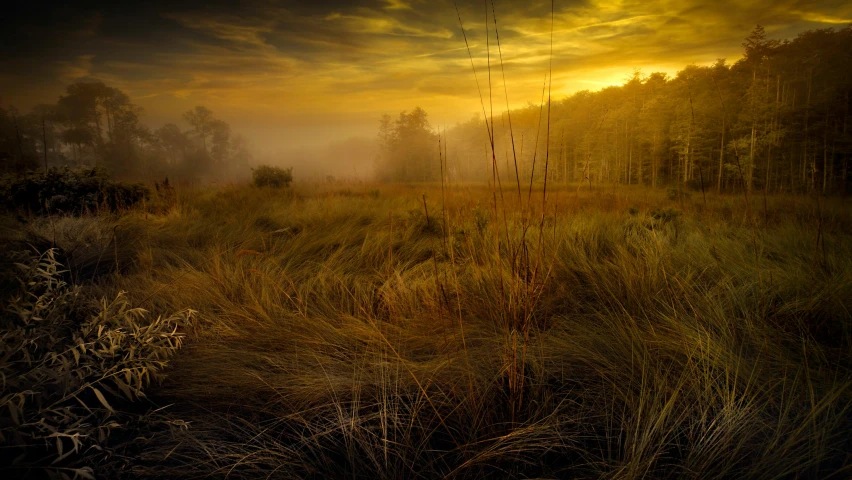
<point x="619" y="334"/>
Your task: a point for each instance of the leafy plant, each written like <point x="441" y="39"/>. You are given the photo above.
<point x="165" y="193"/>
<point x="66" y="190"/>
<point x="269" y="176"/>
<point x="665" y="215"/>
<point x="68" y="367"/>
<point x="677" y="193"/>
<point x="480" y="218"/>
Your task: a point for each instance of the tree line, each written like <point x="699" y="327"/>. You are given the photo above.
<point x="93" y="124"/>
<point x="775" y="120"/>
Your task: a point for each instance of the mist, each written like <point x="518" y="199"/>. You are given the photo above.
<point x="395" y="239"/>
<point x="351" y="158"/>
<point x="294" y="79"/>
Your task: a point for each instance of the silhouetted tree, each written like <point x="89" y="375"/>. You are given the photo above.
<point x="409" y="148"/>
<point x="777" y="119"/>
<point x="202" y="121"/>
<point x="173" y="141"/>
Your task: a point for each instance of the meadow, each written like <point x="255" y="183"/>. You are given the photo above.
<point x="352" y="330"/>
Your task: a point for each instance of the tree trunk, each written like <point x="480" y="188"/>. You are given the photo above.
<point x="629" y="157"/>
<point x="772" y="128"/>
<point x="654" y="161"/>
<point x="44" y="141"/>
<point x="721" y="159"/>
<point x="617" y="162"/>
<point x="671" y="170"/>
<point x="686" y="158"/>
<point x="109" y="123"/>
<point x="824" y="161"/>
<point x="751" y="159"/>
<point x="769" y="155"/>
<point x="831" y="181"/>
<point x="846" y="152"/>
<point x="807" y="118"/>
<point x="792" y="175"/>
<point x="20" y="142"/>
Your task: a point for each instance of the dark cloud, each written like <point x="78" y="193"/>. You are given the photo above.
<point x="283" y="60"/>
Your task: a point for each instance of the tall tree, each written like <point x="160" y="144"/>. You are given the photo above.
<point x="202" y="121"/>
<point x="173" y="141"/>
<point x="409" y="148"/>
<point x="220" y="133"/>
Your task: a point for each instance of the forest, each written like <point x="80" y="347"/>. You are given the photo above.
<point x="776" y="120"/>
<point x="94" y="125"/>
<point x="650" y="281"/>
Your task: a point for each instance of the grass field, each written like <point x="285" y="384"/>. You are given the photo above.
<point x="366" y="331"/>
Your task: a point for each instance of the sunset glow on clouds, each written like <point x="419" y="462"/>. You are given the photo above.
<point x="298" y="71"/>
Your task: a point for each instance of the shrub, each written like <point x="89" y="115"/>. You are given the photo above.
<point x="480" y="218"/>
<point x="678" y="193"/>
<point x="665" y="214"/>
<point x="164" y="197"/>
<point x="165" y="191"/>
<point x="72" y="191"/>
<point x="68" y="366"/>
<point x="268" y="176"/>
<point x="695" y="185"/>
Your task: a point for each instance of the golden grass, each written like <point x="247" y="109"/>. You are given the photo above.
<point x="618" y="334"/>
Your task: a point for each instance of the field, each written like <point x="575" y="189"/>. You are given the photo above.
<point x="420" y="331"/>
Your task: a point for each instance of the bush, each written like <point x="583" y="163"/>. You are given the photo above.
<point x="678" y="193"/>
<point x="665" y="215"/>
<point x="68" y="366"/>
<point x="268" y="176"/>
<point x="71" y="191"/>
<point x="695" y="185"/>
<point x="165" y="195"/>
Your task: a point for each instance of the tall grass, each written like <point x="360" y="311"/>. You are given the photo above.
<point x="350" y="336"/>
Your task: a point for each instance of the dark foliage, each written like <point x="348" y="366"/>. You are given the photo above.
<point x="68" y="191"/>
<point x="73" y="369"/>
<point x="267" y="176"/>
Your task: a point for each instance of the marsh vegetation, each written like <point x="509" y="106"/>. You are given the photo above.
<point x="657" y="285"/>
<point x="420" y="331"/>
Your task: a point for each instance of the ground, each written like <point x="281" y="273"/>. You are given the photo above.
<point x="358" y="330"/>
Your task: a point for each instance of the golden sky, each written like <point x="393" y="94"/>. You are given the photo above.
<point x="285" y="71"/>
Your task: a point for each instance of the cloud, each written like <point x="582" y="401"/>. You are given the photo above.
<point x="382" y="25"/>
<point x="75" y="69"/>
<point x="397" y="5"/>
<point x="279" y="61"/>
<point x="822" y="18"/>
<point x="233" y="30"/>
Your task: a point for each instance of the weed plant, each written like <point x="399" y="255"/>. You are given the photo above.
<point x="71" y="370"/>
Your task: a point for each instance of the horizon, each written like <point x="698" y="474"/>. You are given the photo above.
<point x="283" y="89"/>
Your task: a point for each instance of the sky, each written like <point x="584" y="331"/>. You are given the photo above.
<point x="295" y="74"/>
